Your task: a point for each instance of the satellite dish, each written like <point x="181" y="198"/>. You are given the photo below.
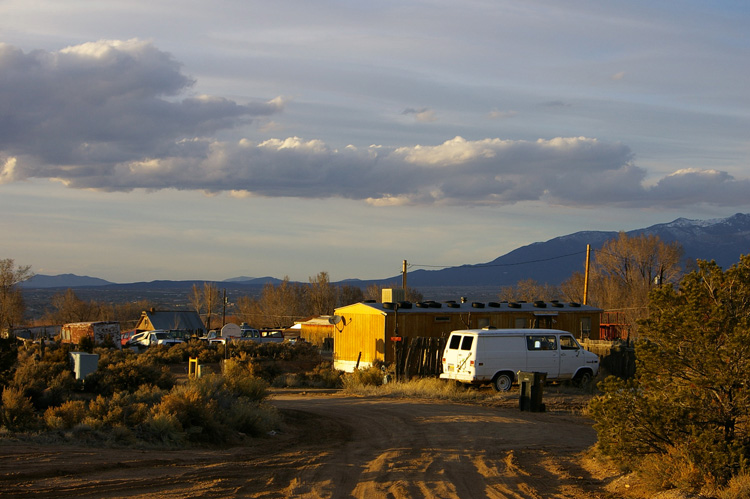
<point x="334" y="319"/>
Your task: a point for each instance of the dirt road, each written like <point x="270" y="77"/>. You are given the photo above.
<point x="335" y="447"/>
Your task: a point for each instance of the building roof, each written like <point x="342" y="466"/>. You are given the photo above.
<point x="537" y="307"/>
<point x="173" y="320"/>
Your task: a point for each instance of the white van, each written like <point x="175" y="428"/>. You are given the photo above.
<point x="481" y="356"/>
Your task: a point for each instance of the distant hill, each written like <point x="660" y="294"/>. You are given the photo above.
<point x="63" y="281"/>
<point x="553" y="261"/>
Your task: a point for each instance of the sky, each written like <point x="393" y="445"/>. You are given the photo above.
<point x="209" y="140"/>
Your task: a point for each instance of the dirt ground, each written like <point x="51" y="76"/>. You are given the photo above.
<point x="338" y="446"/>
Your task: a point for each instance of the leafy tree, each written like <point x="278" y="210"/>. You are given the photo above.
<point x="688" y="407"/>
<point x="11" y="300"/>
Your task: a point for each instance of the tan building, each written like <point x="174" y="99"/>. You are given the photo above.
<point x="365" y="332"/>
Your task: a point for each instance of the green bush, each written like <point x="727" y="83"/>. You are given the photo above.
<point x="685" y="413"/>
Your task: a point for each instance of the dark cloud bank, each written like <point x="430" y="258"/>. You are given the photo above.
<point x="113" y="115"/>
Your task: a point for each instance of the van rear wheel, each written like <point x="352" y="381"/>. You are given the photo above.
<point x="502" y="382"/>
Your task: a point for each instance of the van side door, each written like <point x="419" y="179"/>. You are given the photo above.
<point x="542" y="354"/>
<point x="571" y="356"/>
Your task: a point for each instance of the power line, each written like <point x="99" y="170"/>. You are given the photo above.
<point x="485" y="265"/>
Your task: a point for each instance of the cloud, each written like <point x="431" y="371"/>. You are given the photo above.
<point x="110" y="116"/>
<point x="424" y="114"/>
<point x="618" y="76"/>
<point x="498" y="115"/>
<point x="104" y="102"/>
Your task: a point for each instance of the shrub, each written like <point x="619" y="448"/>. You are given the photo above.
<point x="371" y="376"/>
<point x="164" y="428"/>
<point x="47" y="382"/>
<point x="325" y="376"/>
<point x="127" y="371"/>
<point x="196" y="413"/>
<point x="17" y="410"/>
<point x="124" y="408"/>
<point x="8" y="359"/>
<point x="66" y="416"/>
<point x="737" y="488"/>
<point x="688" y="406"/>
<point x="252" y="418"/>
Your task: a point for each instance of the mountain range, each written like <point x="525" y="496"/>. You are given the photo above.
<point x="554" y="261"/>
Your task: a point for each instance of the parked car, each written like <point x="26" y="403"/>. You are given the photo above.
<point x="126" y="336"/>
<point x="156" y="337"/>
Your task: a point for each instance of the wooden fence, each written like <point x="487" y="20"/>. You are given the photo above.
<point x="419" y="356"/>
<point x="615" y="357"/>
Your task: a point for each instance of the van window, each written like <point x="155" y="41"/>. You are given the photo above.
<point x="539" y="342"/>
<point x="466" y="344"/>
<point x="568" y="343"/>
<point x="455" y="342"/>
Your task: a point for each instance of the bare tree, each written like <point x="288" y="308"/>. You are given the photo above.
<point x="196" y="299"/>
<point x="627" y="268"/>
<point x="348" y="294"/>
<point x="212" y="301"/>
<point x="321" y="295"/>
<point x="67" y="307"/>
<point x="529" y="290"/>
<point x="375" y="292"/>
<point x="12" y="305"/>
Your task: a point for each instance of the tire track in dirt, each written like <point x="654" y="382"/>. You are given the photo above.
<point x="333" y="446"/>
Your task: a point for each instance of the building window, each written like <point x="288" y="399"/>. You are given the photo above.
<point x="585" y="328"/>
<point x="520" y="323"/>
<point x="483" y="322"/>
<point x="442" y="318"/>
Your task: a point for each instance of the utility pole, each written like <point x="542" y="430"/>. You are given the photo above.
<point x="224" y="310"/>
<point x="403" y="271"/>
<point x="586" y="277"/>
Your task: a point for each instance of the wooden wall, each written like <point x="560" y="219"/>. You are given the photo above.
<point x="366" y="332"/>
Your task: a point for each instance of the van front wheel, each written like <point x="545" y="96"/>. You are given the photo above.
<point x="502" y="382"/>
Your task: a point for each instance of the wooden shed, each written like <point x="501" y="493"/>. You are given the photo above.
<point x="366" y="331"/>
<point x="318" y="330"/>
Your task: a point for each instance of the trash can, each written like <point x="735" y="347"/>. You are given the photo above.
<point x="532" y="387"/>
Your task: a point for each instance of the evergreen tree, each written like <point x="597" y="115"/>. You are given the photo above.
<point x="688" y="409"/>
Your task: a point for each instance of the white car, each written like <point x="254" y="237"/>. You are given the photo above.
<point x="156" y="337"/>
